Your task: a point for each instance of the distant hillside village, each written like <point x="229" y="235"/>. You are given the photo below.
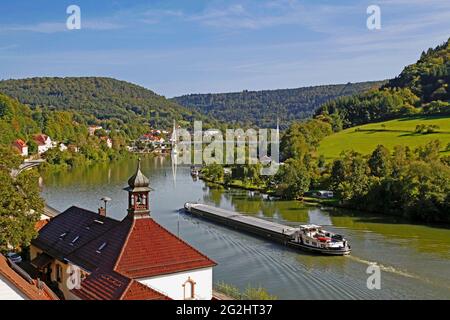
<point x="155" y="141"/>
<point x="45" y="143"/>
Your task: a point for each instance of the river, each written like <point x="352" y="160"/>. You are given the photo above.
<point x="414" y="259"/>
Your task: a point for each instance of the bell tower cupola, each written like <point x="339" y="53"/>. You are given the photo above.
<point x="138" y="195"/>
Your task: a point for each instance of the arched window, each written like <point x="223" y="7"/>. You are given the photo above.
<point x="189" y="289"/>
<point x="144" y="199"/>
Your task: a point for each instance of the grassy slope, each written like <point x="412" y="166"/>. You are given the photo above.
<point x="395" y="132"/>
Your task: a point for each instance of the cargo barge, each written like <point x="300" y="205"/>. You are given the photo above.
<point x="304" y="237"/>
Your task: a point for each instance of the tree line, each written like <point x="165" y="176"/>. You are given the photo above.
<point x="262" y="108"/>
<point x="20" y="203"/>
<point x="102" y="99"/>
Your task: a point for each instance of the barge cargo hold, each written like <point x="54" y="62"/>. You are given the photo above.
<point x="305" y="237"/>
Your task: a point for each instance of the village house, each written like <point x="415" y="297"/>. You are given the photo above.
<point x="134" y="258"/>
<point x="62" y="147"/>
<point x="22" y="147"/>
<point x="43" y="142"/>
<point x="92" y="129"/>
<point x="108" y="141"/>
<point x="16" y="284"/>
<point x="154" y="139"/>
<point x="73" y="148"/>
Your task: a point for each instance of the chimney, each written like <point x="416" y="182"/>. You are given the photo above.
<point x="102" y="211"/>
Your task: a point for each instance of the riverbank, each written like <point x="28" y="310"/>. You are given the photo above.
<point x="68" y="163"/>
<point x="237" y="184"/>
<point x="318" y="202"/>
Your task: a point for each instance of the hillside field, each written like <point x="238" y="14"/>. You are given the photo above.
<point x="365" y="138"/>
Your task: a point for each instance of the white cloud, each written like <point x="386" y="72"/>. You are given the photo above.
<point x="42" y="27"/>
<point x="258" y="15"/>
<point x="55" y="27"/>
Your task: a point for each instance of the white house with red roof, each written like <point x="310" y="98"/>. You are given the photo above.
<point x="43" y="142"/>
<point x="91" y="256"/>
<point x="21" y="147"/>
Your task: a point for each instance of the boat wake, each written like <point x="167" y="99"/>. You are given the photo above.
<point x="390" y="269"/>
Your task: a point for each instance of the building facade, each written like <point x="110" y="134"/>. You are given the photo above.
<point x="43" y="142"/>
<point x="21" y="147"/>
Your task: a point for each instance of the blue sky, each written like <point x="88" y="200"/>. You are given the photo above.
<point x="176" y="47"/>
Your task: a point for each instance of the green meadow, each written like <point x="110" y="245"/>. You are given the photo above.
<point x="364" y="139"/>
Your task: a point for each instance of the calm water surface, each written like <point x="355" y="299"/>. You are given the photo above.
<point x="414" y="259"/>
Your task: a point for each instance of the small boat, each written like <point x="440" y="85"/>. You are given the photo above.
<point x="314" y="238"/>
<point x="195" y="172"/>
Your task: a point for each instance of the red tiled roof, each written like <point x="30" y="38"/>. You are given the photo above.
<point x="40" y="224"/>
<point x="102" y="286"/>
<point x="28" y="289"/>
<point x="114" y="286"/>
<point x="138" y="291"/>
<point x="40" y="139"/>
<point x="20" y="143"/>
<point x="151" y="250"/>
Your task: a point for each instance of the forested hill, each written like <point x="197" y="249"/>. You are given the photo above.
<point x="429" y="77"/>
<point x="422" y="88"/>
<point x="103" y="98"/>
<point x="261" y="108"/>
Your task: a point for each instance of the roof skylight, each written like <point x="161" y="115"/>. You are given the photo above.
<point x="102" y="246"/>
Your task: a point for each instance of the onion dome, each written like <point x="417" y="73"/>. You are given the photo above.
<point x="138" y="182"/>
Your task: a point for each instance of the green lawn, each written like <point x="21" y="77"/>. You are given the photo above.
<point x="394" y="132"/>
